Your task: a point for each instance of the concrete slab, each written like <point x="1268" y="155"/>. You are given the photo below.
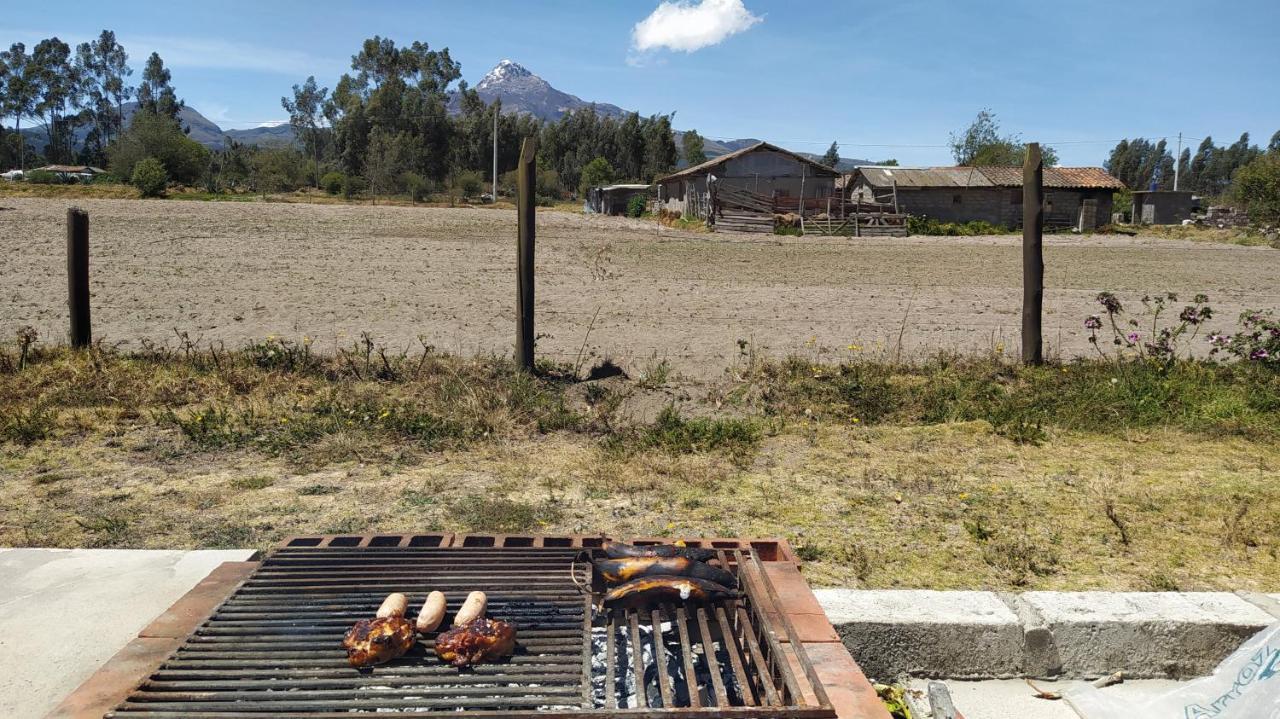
<point x="1148" y="635"/>
<point x="926" y="633"/>
<point x="66" y="611"/>
<point x="1013" y="699"/>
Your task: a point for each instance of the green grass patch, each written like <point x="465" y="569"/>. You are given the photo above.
<point x="1100" y="396"/>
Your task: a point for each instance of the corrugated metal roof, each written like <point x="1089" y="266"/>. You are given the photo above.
<point x="703" y="167"/>
<point x="608" y="188"/>
<point x="1083" y="178"/>
<point x="1055" y="177"/>
<point x="924" y="176"/>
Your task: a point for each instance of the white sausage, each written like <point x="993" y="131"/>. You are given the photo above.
<point x="432" y="612"/>
<point x="395" y="605"/>
<point x="471" y="610"/>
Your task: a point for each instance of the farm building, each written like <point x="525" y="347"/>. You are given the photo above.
<point x="613" y="199"/>
<point x="74" y="172"/>
<point x="1162" y="207"/>
<point x="762" y="169"/>
<point x="1078" y="197"/>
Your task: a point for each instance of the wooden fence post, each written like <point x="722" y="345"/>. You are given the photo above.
<point x="78" y="276"/>
<point x="1032" y="255"/>
<point x="527" y="183"/>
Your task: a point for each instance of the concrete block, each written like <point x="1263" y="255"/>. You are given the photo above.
<point x="1148" y="635"/>
<point x="1040" y="656"/>
<point x="926" y="633"/>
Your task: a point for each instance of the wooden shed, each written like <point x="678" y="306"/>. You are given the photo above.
<point x="762" y="169"/>
<point x="613" y="199"/>
<point x="1078" y="197"/>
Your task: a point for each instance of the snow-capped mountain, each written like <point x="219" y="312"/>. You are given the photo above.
<point x="522" y="91"/>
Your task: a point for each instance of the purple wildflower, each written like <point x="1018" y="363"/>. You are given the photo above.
<point x="1134" y="337"/>
<point x="1093" y="322"/>
<point x="1259" y="354"/>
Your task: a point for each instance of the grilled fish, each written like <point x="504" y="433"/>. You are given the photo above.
<point x="377" y="641"/>
<point x="618" y="571"/>
<point x="618" y="550"/>
<point x="648" y="591"/>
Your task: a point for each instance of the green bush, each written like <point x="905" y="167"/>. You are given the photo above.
<point x="1256" y="187"/>
<point x="917" y="225"/>
<point x="162" y="138"/>
<point x="149" y="177"/>
<point x="354" y="186"/>
<point x="333" y="182"/>
<point x="469" y="183"/>
<point x="416" y="185"/>
<point x="637" y="205"/>
<point x="42" y="177"/>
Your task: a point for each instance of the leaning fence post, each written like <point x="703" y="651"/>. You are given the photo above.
<point x="1032" y="254"/>
<point x="78" y="276"/>
<point x="526" y="183"/>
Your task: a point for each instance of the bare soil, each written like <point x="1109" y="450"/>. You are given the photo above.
<point x="234" y="272"/>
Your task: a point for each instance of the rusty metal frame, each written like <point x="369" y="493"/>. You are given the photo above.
<point x="751" y="627"/>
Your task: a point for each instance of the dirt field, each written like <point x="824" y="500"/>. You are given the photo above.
<point x="238" y="271"/>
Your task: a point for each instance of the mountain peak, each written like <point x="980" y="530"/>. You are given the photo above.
<point x="504" y="71"/>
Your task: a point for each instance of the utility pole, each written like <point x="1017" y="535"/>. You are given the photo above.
<point x="496" y="109"/>
<point x="1177" y="163"/>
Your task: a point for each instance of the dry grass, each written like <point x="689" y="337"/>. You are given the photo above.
<point x="66" y="192"/>
<point x="107" y="456"/>
<point x="1246" y="236"/>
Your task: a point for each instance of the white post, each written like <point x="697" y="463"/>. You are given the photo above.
<point x="1177" y="161"/>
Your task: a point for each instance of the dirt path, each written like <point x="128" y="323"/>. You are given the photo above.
<point x="237" y="271"/>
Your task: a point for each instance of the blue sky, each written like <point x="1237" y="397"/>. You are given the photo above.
<point x="884" y="79"/>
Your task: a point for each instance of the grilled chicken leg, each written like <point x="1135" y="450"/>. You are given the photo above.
<point x="376" y="641"/>
<point x="481" y="640"/>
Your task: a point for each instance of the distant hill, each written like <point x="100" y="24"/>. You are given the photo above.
<point x="267" y="135"/>
<point x="201" y="129"/>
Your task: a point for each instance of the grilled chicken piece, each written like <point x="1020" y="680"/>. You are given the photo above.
<point x="377" y="641"/>
<point x="482" y="640"/>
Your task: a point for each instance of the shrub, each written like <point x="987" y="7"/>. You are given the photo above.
<point x="162" y="138"/>
<point x="919" y="225"/>
<point x="149" y="177"/>
<point x="276" y="170"/>
<point x="333" y="182"/>
<point x="636" y="205"/>
<point x="1256" y="186"/>
<point x="354" y="186"/>
<point x="416" y="185"/>
<point x="469" y="183"/>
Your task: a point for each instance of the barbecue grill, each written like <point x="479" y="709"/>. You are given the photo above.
<point x="272" y="648"/>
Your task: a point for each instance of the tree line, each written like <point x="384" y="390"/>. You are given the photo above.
<point x="1142" y="164"/>
<point x="402" y="120"/>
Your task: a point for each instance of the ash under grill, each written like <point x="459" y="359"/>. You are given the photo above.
<point x="273" y="647"/>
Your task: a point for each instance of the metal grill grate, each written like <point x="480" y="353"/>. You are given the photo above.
<point x="273" y="647"/>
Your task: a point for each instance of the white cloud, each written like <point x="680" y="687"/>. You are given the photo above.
<point x="687" y="26"/>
